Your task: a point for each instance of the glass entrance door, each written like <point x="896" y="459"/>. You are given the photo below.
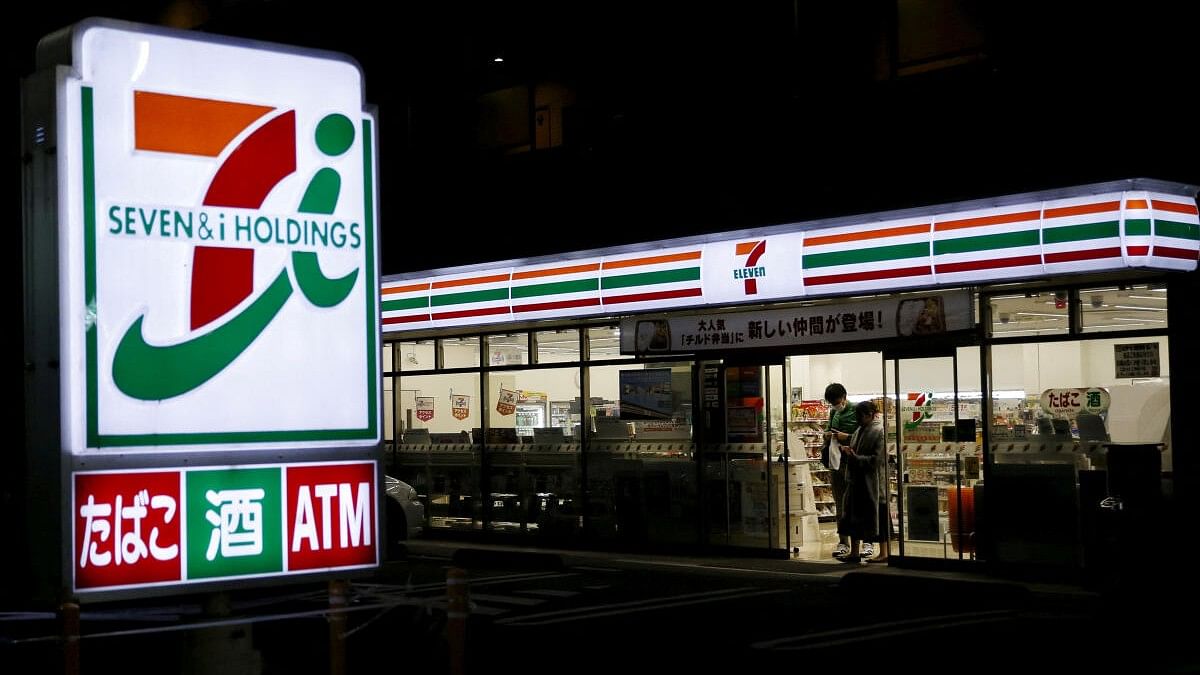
<point x="742" y="432"/>
<point x="934" y="456"/>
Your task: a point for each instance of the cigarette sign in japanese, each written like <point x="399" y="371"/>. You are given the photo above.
<point x="899" y="317"/>
<point x="1070" y="402"/>
<point x="425" y="408"/>
<point x="152" y="528"/>
<point x="217" y="211"/>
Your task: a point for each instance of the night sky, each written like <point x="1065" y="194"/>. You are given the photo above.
<point x="702" y="120"/>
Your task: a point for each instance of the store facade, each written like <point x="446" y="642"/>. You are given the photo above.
<point x="670" y="393"/>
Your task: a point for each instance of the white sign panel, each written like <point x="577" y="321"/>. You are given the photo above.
<point x="218" y="213"/>
<point x="753" y="269"/>
<point x="1137" y="360"/>
<point x="930" y="314"/>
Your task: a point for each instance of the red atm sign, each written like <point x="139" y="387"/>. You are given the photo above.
<point x="136" y="529"/>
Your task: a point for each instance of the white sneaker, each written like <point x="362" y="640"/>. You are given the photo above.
<point x="841" y="551"/>
<point x="868" y="550"/>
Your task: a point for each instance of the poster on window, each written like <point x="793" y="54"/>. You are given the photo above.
<point x="1137" y="360"/>
<point x="460" y="406"/>
<point x="425" y="408"/>
<point x="506" y="404"/>
<point x="646" y="394"/>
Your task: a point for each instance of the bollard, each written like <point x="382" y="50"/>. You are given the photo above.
<point x="69" y="615"/>
<point x="338" y="590"/>
<point x="457" y="610"/>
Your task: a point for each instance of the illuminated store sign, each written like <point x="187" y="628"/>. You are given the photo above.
<point x="220" y="281"/>
<point x="142" y="528"/>
<point x="1072" y="231"/>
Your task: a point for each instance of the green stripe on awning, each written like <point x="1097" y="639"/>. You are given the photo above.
<point x="469" y="296"/>
<point x="555" y="288"/>
<point x="407" y="303"/>
<point x="1170" y="228"/>
<point x="1059" y="235"/>
<point x="650" y="278"/>
<point x="1137" y="227"/>
<point x="986" y="242"/>
<point x="865" y="255"/>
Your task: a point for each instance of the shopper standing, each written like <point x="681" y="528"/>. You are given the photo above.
<point x="864" y="507"/>
<point x="842" y="423"/>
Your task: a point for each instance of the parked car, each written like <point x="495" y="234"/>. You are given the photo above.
<point x="405" y="514"/>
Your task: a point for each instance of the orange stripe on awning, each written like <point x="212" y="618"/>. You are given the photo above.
<point x="1082" y="209"/>
<point x="189" y="126"/>
<point x="1174" y="206"/>
<point x="987" y="220"/>
<point x="470" y="282"/>
<point x="571" y="269"/>
<point x="870" y="234"/>
<point x="406" y="289"/>
<point x="745" y="248"/>
<point x="1137" y="204"/>
<point x="652" y="260"/>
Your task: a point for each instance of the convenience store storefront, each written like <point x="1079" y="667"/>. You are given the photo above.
<point x="669" y="393"/>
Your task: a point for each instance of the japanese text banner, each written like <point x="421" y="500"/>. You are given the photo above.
<point x="918" y="315"/>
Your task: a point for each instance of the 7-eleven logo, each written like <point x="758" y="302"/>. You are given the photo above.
<point x="751" y="270"/>
<point x="222" y="276"/>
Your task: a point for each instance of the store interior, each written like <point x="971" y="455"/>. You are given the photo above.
<point x="1053" y="403"/>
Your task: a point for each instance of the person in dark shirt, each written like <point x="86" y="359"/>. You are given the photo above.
<point x="842" y="424"/>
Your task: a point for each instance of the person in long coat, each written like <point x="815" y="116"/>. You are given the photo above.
<point x="864" y="504"/>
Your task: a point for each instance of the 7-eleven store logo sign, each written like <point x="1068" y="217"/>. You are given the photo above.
<point x="152" y="528"/>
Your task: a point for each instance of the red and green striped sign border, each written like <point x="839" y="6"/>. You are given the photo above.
<point x="1020" y="240"/>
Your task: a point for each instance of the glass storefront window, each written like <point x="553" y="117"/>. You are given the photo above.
<point x="416" y="355"/>
<point x="460" y="352"/>
<point x="436" y="456"/>
<point x="1121" y="388"/>
<point x="533" y="451"/>
<point x="389" y="417"/>
<point x="1137" y="307"/>
<point x="641" y="472"/>
<point x="389" y="349"/>
<point x="1030" y="314"/>
<point x="604" y="343"/>
<point x="558" y="346"/>
<point x="508" y="350"/>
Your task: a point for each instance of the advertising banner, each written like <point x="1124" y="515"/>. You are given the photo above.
<point x="646" y="394"/>
<point x="923" y="315"/>
<point x="425" y="408"/>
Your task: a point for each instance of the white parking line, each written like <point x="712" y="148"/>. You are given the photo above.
<point x="651" y="604"/>
<point x="550" y="593"/>
<point x="876" y="631"/>
<point x="505" y="599"/>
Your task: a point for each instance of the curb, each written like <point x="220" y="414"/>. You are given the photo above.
<point x="928" y="587"/>
<point x="481" y="558"/>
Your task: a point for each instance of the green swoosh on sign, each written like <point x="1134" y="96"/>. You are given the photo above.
<point x="319" y="289"/>
<point x="154" y="373"/>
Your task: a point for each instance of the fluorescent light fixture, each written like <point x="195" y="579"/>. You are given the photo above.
<point x="498" y="59"/>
